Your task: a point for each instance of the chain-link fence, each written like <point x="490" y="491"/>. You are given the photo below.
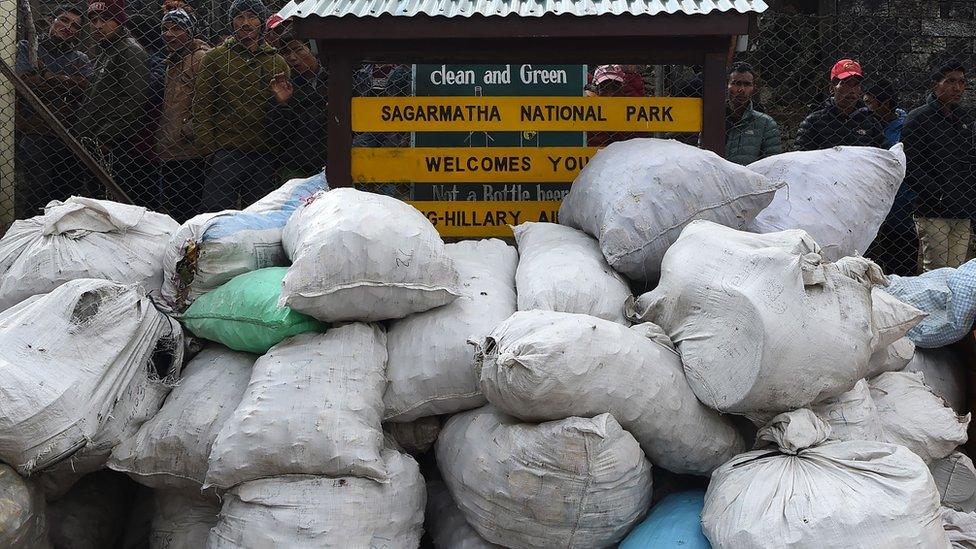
<point x="206" y="109"/>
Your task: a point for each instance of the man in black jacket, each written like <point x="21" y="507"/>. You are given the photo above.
<point x="840" y="121"/>
<point x="940" y="143"/>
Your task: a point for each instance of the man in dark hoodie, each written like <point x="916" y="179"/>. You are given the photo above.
<point x="116" y="102"/>
<point x="940" y="143"/>
<point x="182" y="168"/>
<point x="841" y="121"/>
<point x="235" y="113"/>
<point x="50" y="169"/>
<point x="306" y="99"/>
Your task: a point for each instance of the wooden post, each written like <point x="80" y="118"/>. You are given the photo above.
<point x="338" y="169"/>
<point x="713" y="102"/>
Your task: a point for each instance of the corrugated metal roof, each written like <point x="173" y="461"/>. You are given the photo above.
<point x="522" y="8"/>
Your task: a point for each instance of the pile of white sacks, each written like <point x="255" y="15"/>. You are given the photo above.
<point x="479" y="394"/>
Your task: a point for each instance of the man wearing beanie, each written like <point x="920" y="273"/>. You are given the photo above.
<point x="116" y="101"/>
<point x="50" y="169"/>
<point x="182" y="167"/>
<point x="234" y="111"/>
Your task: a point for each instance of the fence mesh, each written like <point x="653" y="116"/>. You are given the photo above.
<point x="184" y="118"/>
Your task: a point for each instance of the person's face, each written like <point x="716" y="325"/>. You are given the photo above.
<point x="847" y="92"/>
<point x="950" y="89"/>
<point x="170" y="5"/>
<point x="175" y="37"/>
<point x="66" y="26"/>
<point x="299" y="57"/>
<point x="103" y="27"/>
<point x="741" y="87"/>
<point x="247" y="26"/>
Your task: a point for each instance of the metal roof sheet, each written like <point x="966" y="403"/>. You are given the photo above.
<point x="522" y="8"/>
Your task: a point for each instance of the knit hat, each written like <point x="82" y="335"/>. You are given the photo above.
<point x="67" y="8"/>
<point x="256" y="7"/>
<point x="181" y="19"/>
<point x="110" y="9"/>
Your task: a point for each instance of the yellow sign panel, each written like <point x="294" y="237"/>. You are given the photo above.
<point x="469" y="164"/>
<point x="479" y="113"/>
<point x="484" y="218"/>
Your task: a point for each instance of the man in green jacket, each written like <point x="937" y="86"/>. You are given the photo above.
<point x="749" y="134"/>
<point x="235" y="112"/>
<point x="116" y="101"/>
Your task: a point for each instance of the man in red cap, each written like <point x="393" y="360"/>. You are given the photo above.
<point x="841" y="121"/>
<point x="116" y="101"/>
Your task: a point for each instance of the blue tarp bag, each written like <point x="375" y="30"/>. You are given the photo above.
<point x="674" y="522"/>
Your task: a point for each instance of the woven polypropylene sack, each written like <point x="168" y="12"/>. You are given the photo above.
<point x="325" y="512"/>
<point x="93" y="513"/>
<point x="212" y="248"/>
<point x="545" y="365"/>
<point x="446" y="524"/>
<point x="915" y="417"/>
<point x="636" y="196"/>
<point x="948" y="295"/>
<point x="313" y="406"/>
<point x="562" y="269"/>
<point x="83" y="238"/>
<point x="839" y="195"/>
<point x="181" y="520"/>
<point x="430" y="368"/>
<point x="23" y="514"/>
<point x="945" y="373"/>
<point x="243" y="314"/>
<point x="364" y="256"/>
<point x="171" y="450"/>
<point x="840" y="494"/>
<point x="762" y="323"/>
<point x="852" y="415"/>
<point x="75" y="369"/>
<point x="960" y="528"/>
<point x="955" y="477"/>
<point x="568" y="484"/>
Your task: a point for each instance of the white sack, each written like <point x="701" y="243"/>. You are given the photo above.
<point x="23" y="519"/>
<point x="544" y="365"/>
<point x="446" y="524"/>
<point x="894" y="357"/>
<point x="83" y="238"/>
<point x="430" y="367"/>
<point x="75" y="371"/>
<point x="762" y="323"/>
<point x="305" y="511"/>
<point x="945" y="374"/>
<point x="852" y="415"/>
<point x="960" y="527"/>
<point x="955" y="478"/>
<point x="181" y="521"/>
<point x="417" y="436"/>
<point x="364" y="256"/>
<point x="313" y="406"/>
<point x="839" y="195"/>
<point x="636" y="196"/>
<point x="562" y="269"/>
<point x="915" y="417"/>
<point x="171" y="450"/>
<point x="92" y="515"/>
<point x="811" y="493"/>
<point x="574" y="483"/>
<point x="212" y="248"/>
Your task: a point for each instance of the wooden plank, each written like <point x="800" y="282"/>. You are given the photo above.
<point x="469" y="164"/>
<point x="477" y="113"/>
<point x="715" y="83"/>
<point x="484" y="218"/>
<point x="338" y="167"/>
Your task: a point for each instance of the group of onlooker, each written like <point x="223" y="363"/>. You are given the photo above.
<point x="187" y="129"/>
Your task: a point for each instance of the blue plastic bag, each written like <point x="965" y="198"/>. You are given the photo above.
<point x="674" y="522"/>
<point x="948" y="295"/>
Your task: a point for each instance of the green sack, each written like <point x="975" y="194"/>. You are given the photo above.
<point x="243" y="314"/>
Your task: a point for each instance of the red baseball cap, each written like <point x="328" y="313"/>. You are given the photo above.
<point x="845" y="68"/>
